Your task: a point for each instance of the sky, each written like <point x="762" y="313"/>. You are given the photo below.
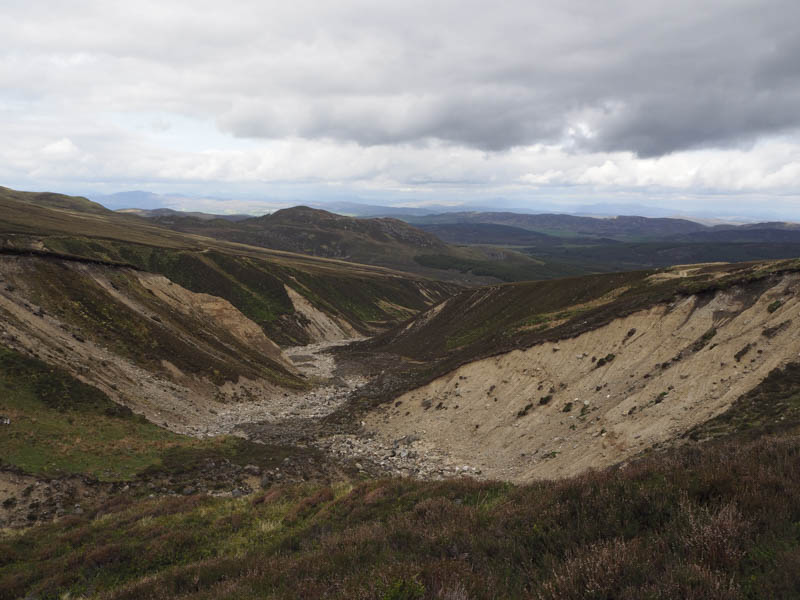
<point x="684" y="106"/>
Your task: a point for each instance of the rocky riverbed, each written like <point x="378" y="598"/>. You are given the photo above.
<point x="299" y="419"/>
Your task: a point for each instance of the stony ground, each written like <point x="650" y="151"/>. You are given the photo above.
<point x="328" y="392"/>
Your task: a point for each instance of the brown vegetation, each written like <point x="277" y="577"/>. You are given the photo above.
<point x="720" y="522"/>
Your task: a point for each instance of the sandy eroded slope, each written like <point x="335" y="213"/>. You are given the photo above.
<point x="555" y="409"/>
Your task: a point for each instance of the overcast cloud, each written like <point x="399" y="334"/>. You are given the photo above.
<point x="418" y="98"/>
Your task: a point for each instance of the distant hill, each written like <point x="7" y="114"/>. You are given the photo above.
<point x="470" y="247"/>
<point x="58" y="201"/>
<point x="168" y="212"/>
<point x="341" y="231"/>
<point x="386" y="241"/>
<point x="596" y="245"/>
<point x="313" y="231"/>
<point x="617" y="227"/>
<point x="487" y="233"/>
<point x="773" y="233"/>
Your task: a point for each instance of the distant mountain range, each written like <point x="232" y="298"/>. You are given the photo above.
<point x="168" y="212"/>
<point x="133" y="199"/>
<point x="558" y="224"/>
<point x="479" y="247"/>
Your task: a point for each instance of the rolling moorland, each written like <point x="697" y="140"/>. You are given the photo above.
<point x="386" y="242"/>
<point x="191" y="417"/>
<point x="601" y="245"/>
<point x="484" y="247"/>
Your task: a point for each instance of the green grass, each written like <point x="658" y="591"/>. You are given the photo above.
<point x="772" y="406"/>
<point x="720" y="523"/>
<point x="60" y="425"/>
<point x="57" y="201"/>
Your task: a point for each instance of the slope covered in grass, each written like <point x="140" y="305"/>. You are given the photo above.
<point x="375" y="241"/>
<point x="723" y="523"/>
<point x="62" y="426"/>
<point x="57" y="201"/>
<point x="481" y="322"/>
<point x="252" y="279"/>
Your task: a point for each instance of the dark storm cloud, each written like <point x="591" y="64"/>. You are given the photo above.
<point x="651" y="78"/>
<point x="643" y="76"/>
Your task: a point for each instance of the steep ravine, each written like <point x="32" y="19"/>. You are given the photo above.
<point x="557" y="409"/>
<point x="194" y="364"/>
<point x="190" y="362"/>
<point x="159" y="350"/>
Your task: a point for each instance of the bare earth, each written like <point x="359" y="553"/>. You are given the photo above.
<point x="477" y="416"/>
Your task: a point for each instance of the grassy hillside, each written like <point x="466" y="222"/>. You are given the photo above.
<point x="57" y="201"/>
<point x="622" y="227"/>
<point x="252" y="279"/>
<point x="597" y="256"/>
<point x="719" y="524"/>
<point x="486" y="321"/>
<point x="503" y="264"/>
<point x="487" y="233"/>
<point x="377" y="241"/>
<point x="61" y="426"/>
<point x="316" y="232"/>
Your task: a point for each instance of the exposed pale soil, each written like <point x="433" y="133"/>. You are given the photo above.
<point x="173" y="399"/>
<point x="320" y="326"/>
<point x="182" y="402"/>
<point x="479" y="415"/>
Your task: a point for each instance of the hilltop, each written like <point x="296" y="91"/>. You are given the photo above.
<point x="319" y="233"/>
<point x="387" y="242"/>
<point x="57" y="201"/>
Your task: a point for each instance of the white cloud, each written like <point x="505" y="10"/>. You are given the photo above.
<point x="440" y="97"/>
<point x="62" y="149"/>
